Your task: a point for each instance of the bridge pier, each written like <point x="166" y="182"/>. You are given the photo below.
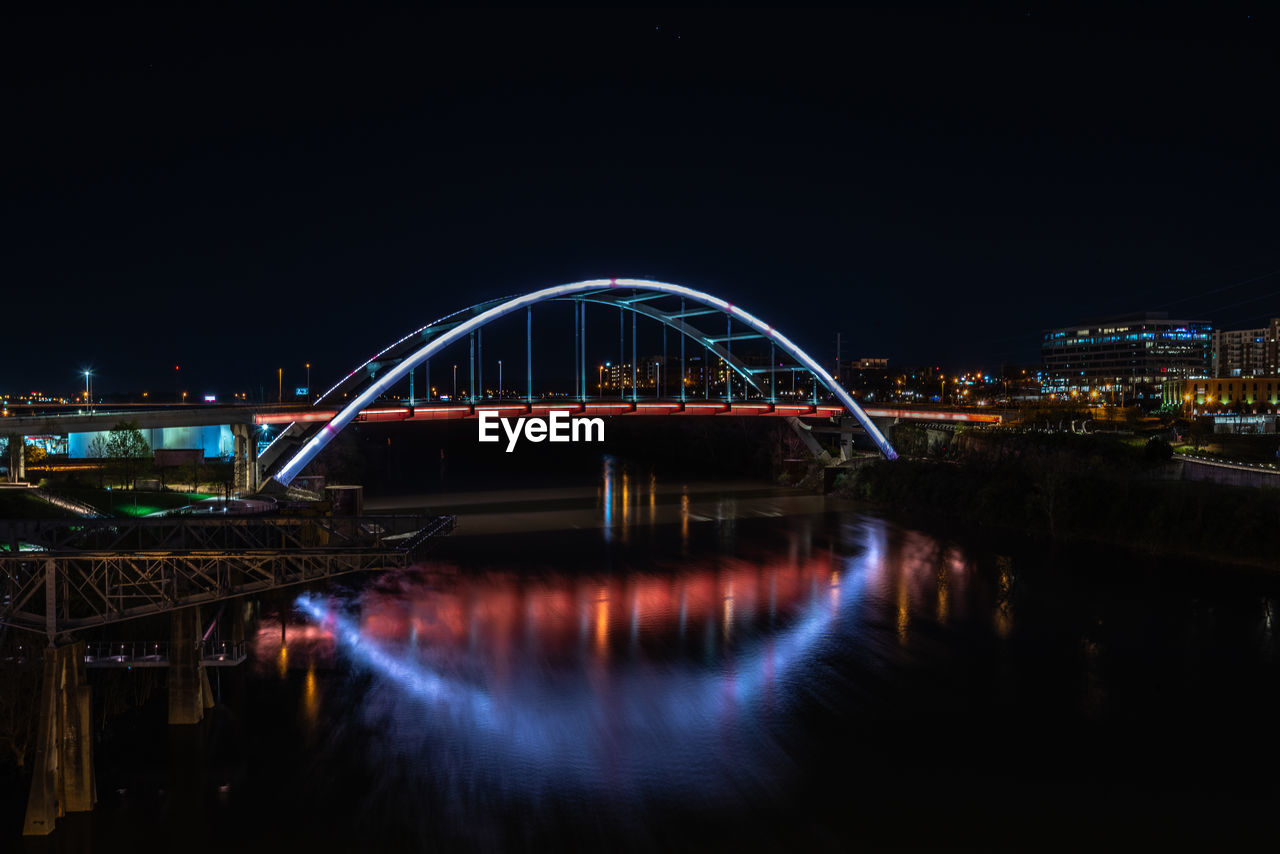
<point x="63" y="781"/>
<point x="812" y="445"/>
<point x="846" y="447"/>
<point x="189" y="690"/>
<point x="17" y="458"/>
<point x="246" y="458"/>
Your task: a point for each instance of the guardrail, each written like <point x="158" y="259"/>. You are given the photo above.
<point x="71" y="505"/>
<point x="1244" y="464"/>
<point x="159" y="653"/>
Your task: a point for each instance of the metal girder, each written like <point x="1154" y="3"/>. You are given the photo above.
<point x="737" y="336"/>
<point x="396" y="352"/>
<point x="691" y="332"/>
<point x="63" y="589"/>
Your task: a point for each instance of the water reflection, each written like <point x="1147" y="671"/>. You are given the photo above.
<point x="635" y="681"/>
<point x="487" y="677"/>
<point x="461" y="694"/>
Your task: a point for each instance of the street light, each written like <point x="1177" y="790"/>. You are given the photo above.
<point x="87" y="397"/>
<point x="308" y="382"/>
<point x="600" y="381"/>
<point x="455" y="383"/>
<point x="499" y="379"/>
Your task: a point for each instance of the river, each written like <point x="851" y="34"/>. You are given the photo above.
<point x="638" y="662"/>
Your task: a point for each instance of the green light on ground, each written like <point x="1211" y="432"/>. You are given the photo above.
<point x="138" y="510"/>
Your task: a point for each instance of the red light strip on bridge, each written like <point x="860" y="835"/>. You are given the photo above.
<point x="288" y="417"/>
<point x="934" y="415"/>
<point x="384" y="414"/>
<point x="440" y="413"/>
<point x="557" y="407"/>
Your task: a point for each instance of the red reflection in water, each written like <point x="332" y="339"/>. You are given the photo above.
<point x="298" y="644"/>
<point x="503" y="615"/>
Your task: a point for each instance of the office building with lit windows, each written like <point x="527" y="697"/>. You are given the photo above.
<point x="1127" y="359"/>
<point x="1247" y="352"/>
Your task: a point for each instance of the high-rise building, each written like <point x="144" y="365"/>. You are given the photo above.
<point x="1128" y="357"/>
<point x="1246" y="352"/>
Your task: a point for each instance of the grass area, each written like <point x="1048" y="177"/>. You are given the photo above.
<point x="125" y="502"/>
<point x="19" y="504"/>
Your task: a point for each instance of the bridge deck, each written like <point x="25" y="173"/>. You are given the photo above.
<point x="642" y="406"/>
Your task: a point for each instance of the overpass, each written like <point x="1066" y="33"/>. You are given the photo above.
<point x="22" y="421"/>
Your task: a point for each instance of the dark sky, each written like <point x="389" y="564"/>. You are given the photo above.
<point x="238" y="193"/>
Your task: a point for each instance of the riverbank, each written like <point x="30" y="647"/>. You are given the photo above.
<point x="1131" y="509"/>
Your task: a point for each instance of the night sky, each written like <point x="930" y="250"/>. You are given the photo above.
<point x="240" y="193"/>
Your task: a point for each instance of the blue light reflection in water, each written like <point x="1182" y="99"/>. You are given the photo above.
<point x="607" y="724"/>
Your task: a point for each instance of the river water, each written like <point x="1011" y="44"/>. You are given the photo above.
<point x="636" y="662"/>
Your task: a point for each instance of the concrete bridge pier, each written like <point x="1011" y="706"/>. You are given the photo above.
<point x="189" y="690"/>
<point x="246" y="459"/>
<point x="812" y="445"/>
<point x="17" y="458"/>
<point x="63" y="781"/>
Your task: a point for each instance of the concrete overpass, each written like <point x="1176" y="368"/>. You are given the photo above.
<point x="56" y="420"/>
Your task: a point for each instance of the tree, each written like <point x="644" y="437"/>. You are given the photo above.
<point x="34" y="457"/>
<point x="1199" y="432"/>
<point x="128" y="450"/>
<point x="98" y="450"/>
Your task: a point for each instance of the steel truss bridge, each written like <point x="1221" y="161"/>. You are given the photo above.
<point x="62" y="576"/>
<point x="704" y="325"/>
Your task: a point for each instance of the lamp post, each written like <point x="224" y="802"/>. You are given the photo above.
<point x="455" y="383"/>
<point x="87" y="398"/>
<point x="308" y="382"/>
<point x="499" y="379"/>
<point x="600" y="381"/>
<point x="279" y="385"/>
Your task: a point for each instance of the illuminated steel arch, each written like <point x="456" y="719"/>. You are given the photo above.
<point x="421" y="345"/>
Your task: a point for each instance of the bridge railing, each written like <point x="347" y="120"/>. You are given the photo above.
<point x="140" y="653"/>
<point x="171" y="534"/>
<point x="103" y="571"/>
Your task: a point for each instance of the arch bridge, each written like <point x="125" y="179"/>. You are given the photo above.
<point x="704" y="325"/>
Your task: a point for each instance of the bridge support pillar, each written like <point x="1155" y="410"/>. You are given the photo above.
<point x="246" y="458"/>
<point x="63" y="781"/>
<point x="188" y="684"/>
<point x="814" y="447"/>
<point x="17" y="458"/>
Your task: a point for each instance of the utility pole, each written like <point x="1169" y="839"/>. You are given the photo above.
<point x="838" y="380"/>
